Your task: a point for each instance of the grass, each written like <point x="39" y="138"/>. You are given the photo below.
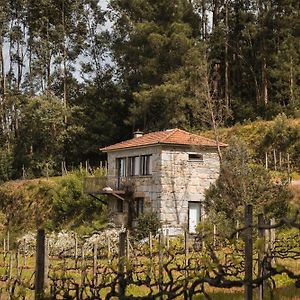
<point x="286" y="290"/>
<point x="282" y="293"/>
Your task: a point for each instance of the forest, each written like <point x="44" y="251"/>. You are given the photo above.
<point x="77" y="75"/>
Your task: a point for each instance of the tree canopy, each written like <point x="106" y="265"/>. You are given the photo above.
<point x="83" y="75"/>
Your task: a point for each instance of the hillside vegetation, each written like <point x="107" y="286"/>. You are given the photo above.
<point x="82" y="74"/>
<point x="57" y="203"/>
<point x="281" y="134"/>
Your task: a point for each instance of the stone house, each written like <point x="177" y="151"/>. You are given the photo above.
<point x="165" y="172"/>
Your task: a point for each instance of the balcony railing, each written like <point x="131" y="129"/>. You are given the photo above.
<point x="122" y="183"/>
<point x="96" y="185"/>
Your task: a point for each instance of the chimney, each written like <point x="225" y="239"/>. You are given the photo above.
<point x="138" y="133"/>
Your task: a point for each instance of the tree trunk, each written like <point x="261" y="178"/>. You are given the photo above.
<point x="264" y="79"/>
<point x="2" y="69"/>
<point x="30" y="76"/>
<point x="216" y="12"/>
<point x="291" y="82"/>
<point x="226" y="83"/>
<point x="64" y="59"/>
<point x="211" y="110"/>
<point x="204" y="20"/>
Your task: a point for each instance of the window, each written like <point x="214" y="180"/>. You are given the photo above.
<point x="139" y="206"/>
<point x="121" y="167"/>
<point x="146" y="167"/>
<point x="133" y="166"/>
<point x="195" y="157"/>
<point x="120" y="206"/>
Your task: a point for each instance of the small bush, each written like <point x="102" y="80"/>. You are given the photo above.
<point x="147" y="223"/>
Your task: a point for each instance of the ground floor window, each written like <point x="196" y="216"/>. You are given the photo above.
<point x="139" y="206"/>
<point x="120" y="206"/>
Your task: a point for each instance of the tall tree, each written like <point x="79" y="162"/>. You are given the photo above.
<point x="152" y="46"/>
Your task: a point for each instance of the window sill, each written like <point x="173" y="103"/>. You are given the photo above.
<point x="138" y="176"/>
<point x="196" y="160"/>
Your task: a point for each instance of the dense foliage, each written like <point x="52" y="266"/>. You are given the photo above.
<point x="57" y="203"/>
<point x="240" y="183"/>
<point x="77" y="75"/>
<point x="147" y="223"/>
<point x="279" y="139"/>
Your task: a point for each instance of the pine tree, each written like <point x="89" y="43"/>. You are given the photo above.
<point x="154" y="44"/>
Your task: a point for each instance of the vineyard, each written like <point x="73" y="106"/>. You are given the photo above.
<point x="113" y="264"/>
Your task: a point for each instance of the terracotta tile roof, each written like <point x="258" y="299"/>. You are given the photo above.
<point x="173" y="136"/>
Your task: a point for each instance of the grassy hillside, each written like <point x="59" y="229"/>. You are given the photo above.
<point x="281" y="134"/>
<point x="57" y="203"/>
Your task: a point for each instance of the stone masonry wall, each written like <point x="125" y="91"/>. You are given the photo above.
<point x="174" y="181"/>
<point x="183" y="181"/>
<point x="148" y="186"/>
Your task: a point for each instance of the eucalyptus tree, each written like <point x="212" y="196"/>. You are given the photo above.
<point x="154" y="43"/>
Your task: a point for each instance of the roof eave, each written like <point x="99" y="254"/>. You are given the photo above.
<point x="161" y="143"/>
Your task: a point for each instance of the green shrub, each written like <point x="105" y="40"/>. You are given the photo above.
<point x="147" y="223"/>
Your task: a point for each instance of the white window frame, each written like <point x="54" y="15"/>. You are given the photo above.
<point x="146" y="165"/>
<point x="133" y="166"/>
<point x="121" y="170"/>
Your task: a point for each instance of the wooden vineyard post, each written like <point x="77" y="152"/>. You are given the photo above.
<point x="18" y="261"/>
<point x="108" y="250"/>
<point x="272" y="239"/>
<point x="186" y="248"/>
<point x="261" y="252"/>
<point x="215" y="236"/>
<point x="203" y="241"/>
<point x="4" y="253"/>
<point x="24" y="254"/>
<point x="167" y="239"/>
<point x="95" y="281"/>
<point x="150" y="253"/>
<point x="289" y="167"/>
<point x="10" y="267"/>
<point x="7" y="241"/>
<point x="76" y="251"/>
<point x="237" y="229"/>
<point x="127" y="245"/>
<point x="83" y="271"/>
<point x="280" y="160"/>
<point x="186" y="262"/>
<point x="122" y="249"/>
<point x="160" y="261"/>
<point x="41" y="272"/>
<point x="248" y="252"/>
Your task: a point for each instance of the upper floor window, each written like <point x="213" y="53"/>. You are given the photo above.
<point x="133" y="165"/>
<point x="195" y="157"/>
<point x="121" y="166"/>
<point x="146" y="167"/>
